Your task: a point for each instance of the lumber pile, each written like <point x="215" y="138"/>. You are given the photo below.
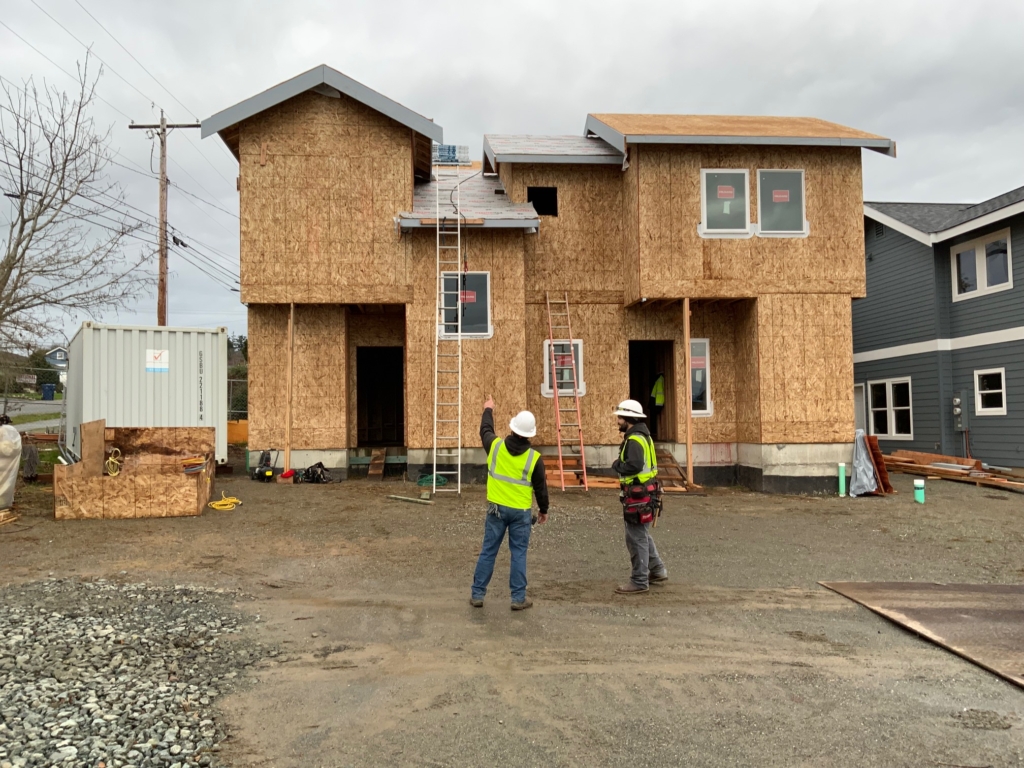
<point x="956" y="468"/>
<point x="7" y="516"/>
<point x="671" y="475"/>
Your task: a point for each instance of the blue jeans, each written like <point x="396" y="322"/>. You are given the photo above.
<point x="499" y="519"/>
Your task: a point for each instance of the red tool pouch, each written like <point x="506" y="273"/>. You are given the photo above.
<point x="640" y="501"/>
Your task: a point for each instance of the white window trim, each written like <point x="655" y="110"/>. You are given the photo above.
<point x="490" y="324"/>
<point x="707" y="373"/>
<point x="547" y="391"/>
<point x="702" y="227"/>
<point x="978" y="244"/>
<point x="888" y="407"/>
<point x="978" y="410"/>
<point x="803" y="205"/>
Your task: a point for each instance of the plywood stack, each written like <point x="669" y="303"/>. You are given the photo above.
<point x="150" y="479"/>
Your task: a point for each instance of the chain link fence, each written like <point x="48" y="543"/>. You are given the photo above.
<point x="238" y="399"/>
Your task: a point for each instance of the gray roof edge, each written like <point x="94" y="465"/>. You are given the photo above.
<point x="602" y="130"/>
<point x="885" y="146"/>
<point x="322" y="74"/>
<point x="414" y="222"/>
<point x="568" y="159"/>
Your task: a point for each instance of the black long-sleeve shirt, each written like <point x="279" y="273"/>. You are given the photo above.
<point x="634" y="463"/>
<point x="517" y="446"/>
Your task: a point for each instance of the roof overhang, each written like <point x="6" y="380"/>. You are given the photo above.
<point x="930" y="238"/>
<point x="492" y="158"/>
<point x="320" y="79"/>
<point x="408" y="222"/>
<point x="595" y="127"/>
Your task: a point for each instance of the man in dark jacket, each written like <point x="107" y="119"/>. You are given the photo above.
<point x="637" y="463"/>
<point x="515" y="473"/>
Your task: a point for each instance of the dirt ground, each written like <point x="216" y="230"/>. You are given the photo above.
<point x="741" y="659"/>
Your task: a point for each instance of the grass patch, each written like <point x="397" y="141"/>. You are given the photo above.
<point x="28" y="418"/>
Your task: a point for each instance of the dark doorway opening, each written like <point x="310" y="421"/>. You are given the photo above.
<point x="647" y="361"/>
<point x="380" y="396"/>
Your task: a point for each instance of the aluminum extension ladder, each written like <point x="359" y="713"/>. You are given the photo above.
<point x="567" y="401"/>
<point x="447" y="448"/>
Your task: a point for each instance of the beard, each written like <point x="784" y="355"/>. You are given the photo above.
<point x="624" y="427"/>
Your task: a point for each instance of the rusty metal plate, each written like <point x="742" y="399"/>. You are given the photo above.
<point x="983" y="623"/>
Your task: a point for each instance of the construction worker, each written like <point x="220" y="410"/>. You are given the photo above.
<point x="637" y="468"/>
<point x="657" y="401"/>
<point x="515" y="474"/>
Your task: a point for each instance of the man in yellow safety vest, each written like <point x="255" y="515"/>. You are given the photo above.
<point x="637" y="468"/>
<point x="515" y="474"/>
<point x="657" y="402"/>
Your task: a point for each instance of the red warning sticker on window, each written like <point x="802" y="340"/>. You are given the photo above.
<point x="698" y="362"/>
<point x="780" y="195"/>
<point x="468" y="297"/>
<point x="726" y="193"/>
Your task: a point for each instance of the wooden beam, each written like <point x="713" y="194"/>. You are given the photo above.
<point x="687" y="397"/>
<point x="288" y="407"/>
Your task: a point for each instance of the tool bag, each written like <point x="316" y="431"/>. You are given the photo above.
<point x="641" y="502"/>
<point x="317" y="473"/>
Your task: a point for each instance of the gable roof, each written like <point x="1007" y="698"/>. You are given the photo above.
<point x="934" y="222"/>
<point x="506" y="148"/>
<point x="312" y="80"/>
<point x="620" y="130"/>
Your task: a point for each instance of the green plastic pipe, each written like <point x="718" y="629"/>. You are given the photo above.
<point x="842" y="480"/>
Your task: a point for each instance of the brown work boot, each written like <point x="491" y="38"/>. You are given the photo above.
<point x="630" y="589"/>
<point x="659" y="577"/>
<point x="476" y="603"/>
<point x="527" y="603"/>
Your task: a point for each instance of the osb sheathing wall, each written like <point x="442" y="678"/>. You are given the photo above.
<point x="321" y="180"/>
<point x="675" y="261"/>
<point x="805" y="345"/>
<point x="319" y="409"/>
<point x="376" y="326"/>
<point x="494" y="366"/>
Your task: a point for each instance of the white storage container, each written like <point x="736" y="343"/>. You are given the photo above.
<point x="137" y="376"/>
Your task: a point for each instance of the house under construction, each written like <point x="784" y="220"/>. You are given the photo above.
<point x="389" y="295"/>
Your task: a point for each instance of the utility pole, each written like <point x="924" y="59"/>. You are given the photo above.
<point x="160" y="131"/>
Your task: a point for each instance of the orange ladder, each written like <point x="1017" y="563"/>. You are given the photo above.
<point x="565" y="388"/>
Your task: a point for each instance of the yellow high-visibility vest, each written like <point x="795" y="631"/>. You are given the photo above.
<point x="658" y="392"/>
<point x="650" y="468"/>
<point x="508" y="476"/>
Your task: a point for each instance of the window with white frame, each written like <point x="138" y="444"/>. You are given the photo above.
<point x="474" y="290"/>
<point x="700" y="377"/>
<point x="780" y="203"/>
<point x="982" y="266"/>
<point x="563" y="368"/>
<point x="990" y="392"/>
<point x="891" y="409"/>
<point x="724" y="196"/>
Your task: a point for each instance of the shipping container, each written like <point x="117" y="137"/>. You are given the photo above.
<point x="136" y="376"/>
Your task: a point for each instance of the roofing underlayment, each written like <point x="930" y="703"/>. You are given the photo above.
<point x="482" y="200"/>
<point x="620" y="130"/>
<point x="505" y="148"/>
<point x="930" y="218"/>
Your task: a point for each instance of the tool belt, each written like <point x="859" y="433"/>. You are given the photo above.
<point x="641" y="502"/>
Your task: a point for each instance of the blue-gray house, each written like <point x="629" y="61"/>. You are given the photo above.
<point x="939" y="340"/>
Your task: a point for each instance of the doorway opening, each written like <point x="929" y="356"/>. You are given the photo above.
<point x="380" y="396"/>
<point x="649" y="360"/>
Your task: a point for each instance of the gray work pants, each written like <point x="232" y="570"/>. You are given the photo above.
<point x="642" y="553"/>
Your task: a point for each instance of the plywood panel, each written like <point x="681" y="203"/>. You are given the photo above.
<point x="319" y="418"/>
<point x="320" y="182"/>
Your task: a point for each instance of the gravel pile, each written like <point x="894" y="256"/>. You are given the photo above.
<point x="97" y="673"/>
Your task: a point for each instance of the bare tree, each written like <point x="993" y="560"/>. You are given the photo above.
<point x="71" y="246"/>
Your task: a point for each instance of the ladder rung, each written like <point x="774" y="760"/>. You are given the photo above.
<point x="446" y="421"/>
<point x="445" y="370"/>
<point x="568" y="409"/>
<point x="446" y="437"/>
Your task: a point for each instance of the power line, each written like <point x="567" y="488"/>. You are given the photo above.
<point x="58" y="66"/>
<point x="203" y="200"/>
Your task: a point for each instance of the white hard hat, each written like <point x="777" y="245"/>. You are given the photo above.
<point x="524" y="424"/>
<point x="631" y="409"/>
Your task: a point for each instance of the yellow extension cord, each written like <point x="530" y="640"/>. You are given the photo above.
<point x="225" y="503"/>
<point x="113" y="465"/>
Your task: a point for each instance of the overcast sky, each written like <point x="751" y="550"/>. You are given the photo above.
<point x="944" y="79"/>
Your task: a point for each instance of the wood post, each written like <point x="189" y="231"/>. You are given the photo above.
<point x="288" y="408"/>
<point x="687" y="395"/>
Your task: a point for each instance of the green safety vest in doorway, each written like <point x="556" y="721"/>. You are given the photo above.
<point x="650" y="459"/>
<point x="508" y="476"/>
<point x="658" y="392"/>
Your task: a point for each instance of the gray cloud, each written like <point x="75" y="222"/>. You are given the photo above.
<point x="943" y="78"/>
